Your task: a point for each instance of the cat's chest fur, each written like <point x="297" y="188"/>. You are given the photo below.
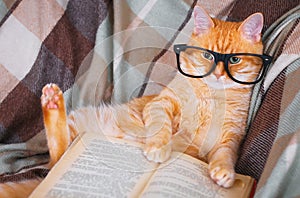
<point x="198" y="126"/>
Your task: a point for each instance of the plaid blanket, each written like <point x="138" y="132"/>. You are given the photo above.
<point x="114" y="50"/>
<point x="270" y="152"/>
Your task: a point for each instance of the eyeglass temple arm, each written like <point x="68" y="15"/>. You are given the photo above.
<point x="179" y="47"/>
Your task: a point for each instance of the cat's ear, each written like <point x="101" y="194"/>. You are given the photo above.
<point x="252" y="26"/>
<point x="202" y="21"/>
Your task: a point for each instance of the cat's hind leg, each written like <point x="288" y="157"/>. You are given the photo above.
<point x="55" y="122"/>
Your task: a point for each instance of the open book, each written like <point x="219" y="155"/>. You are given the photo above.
<point x="96" y="166"/>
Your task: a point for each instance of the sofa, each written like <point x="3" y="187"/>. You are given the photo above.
<point x="114" y="50"/>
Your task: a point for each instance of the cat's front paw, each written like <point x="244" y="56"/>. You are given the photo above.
<point x="51" y="97"/>
<point x="156" y="152"/>
<point x="222" y="174"/>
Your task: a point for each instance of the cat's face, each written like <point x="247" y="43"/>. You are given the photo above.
<point x="225" y="38"/>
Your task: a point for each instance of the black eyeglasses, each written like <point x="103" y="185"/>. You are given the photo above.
<point x="244" y="68"/>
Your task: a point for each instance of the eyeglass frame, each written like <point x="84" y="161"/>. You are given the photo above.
<point x="178" y="48"/>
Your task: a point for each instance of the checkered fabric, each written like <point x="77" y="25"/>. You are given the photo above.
<point x="114" y="50"/>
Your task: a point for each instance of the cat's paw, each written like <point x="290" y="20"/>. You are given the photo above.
<point x="157" y="153"/>
<point x="222" y="174"/>
<point x="51" y="96"/>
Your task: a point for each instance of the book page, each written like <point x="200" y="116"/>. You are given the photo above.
<point x="185" y="176"/>
<point x="97" y="167"/>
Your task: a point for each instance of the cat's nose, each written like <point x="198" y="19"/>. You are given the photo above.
<point x="219" y="71"/>
<point x="218" y="75"/>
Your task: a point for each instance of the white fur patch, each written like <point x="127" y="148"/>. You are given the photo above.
<point x="220" y="83"/>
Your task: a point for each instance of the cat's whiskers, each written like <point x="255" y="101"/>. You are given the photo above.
<point x="222" y="83"/>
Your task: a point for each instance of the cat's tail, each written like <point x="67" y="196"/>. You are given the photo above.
<point x="121" y="121"/>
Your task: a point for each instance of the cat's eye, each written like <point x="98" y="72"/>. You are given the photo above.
<point x="234" y="60"/>
<point x="207" y="55"/>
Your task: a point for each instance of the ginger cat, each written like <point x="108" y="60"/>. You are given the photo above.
<point x="202" y="112"/>
<point x="203" y="117"/>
